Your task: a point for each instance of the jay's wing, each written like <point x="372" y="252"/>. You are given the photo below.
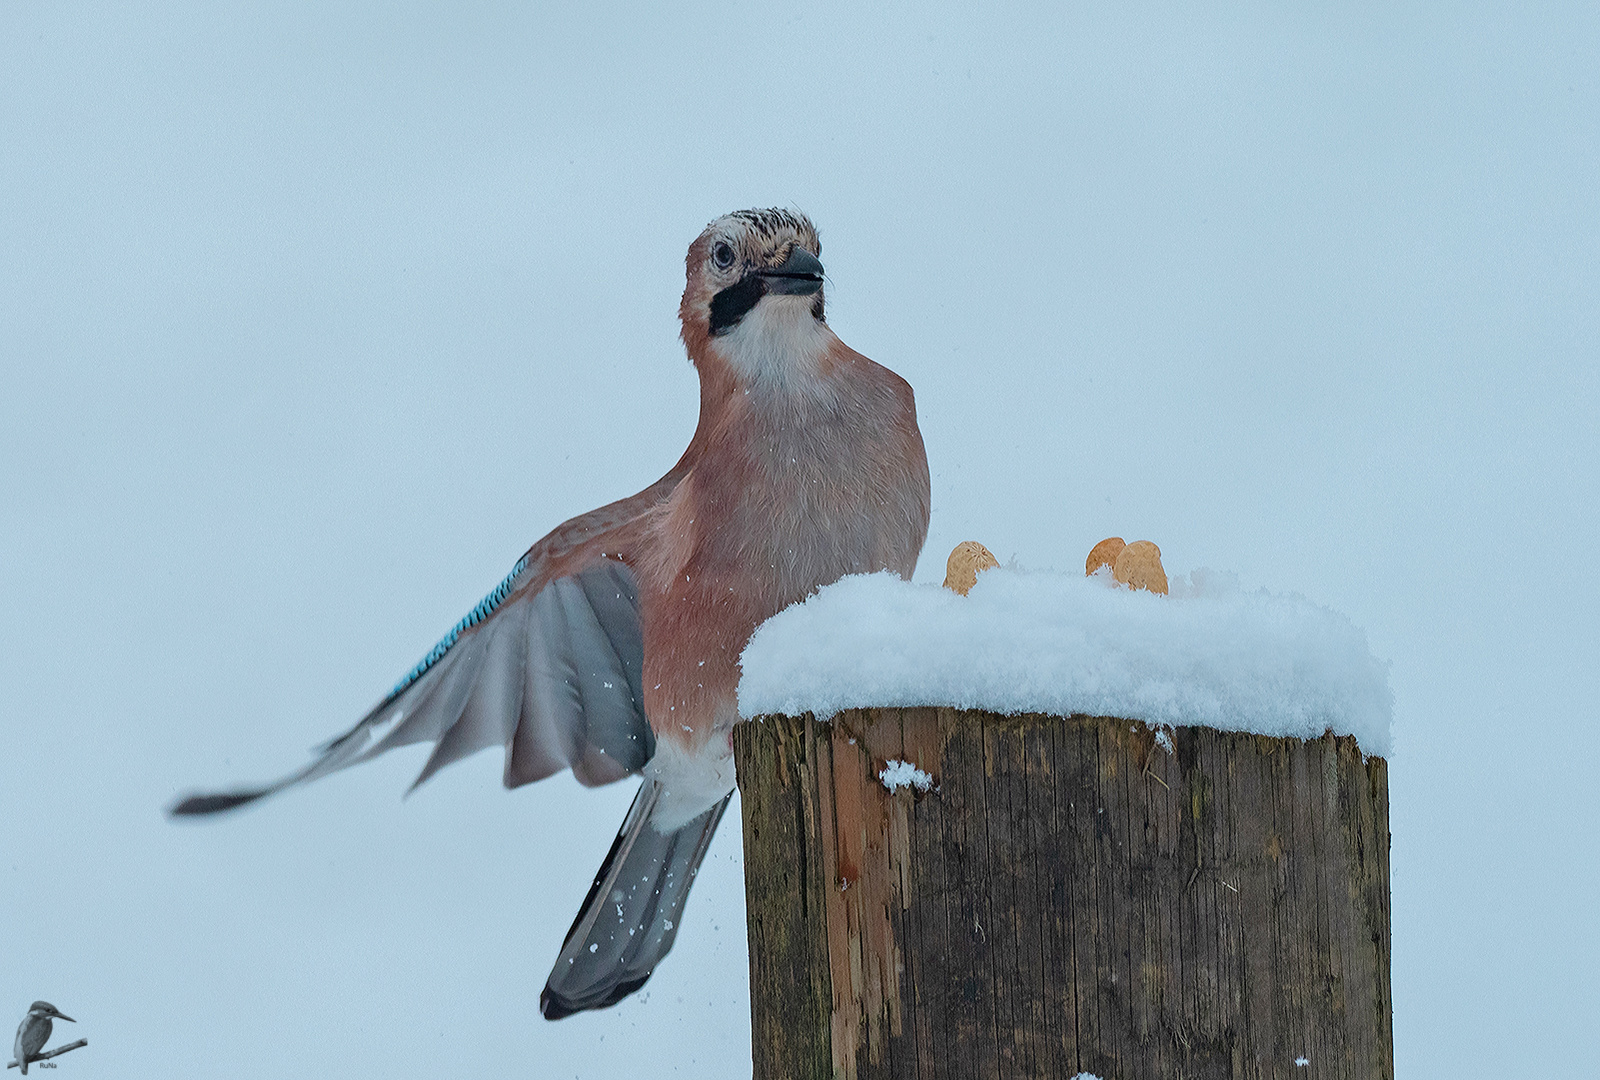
<point x="548" y="665"/>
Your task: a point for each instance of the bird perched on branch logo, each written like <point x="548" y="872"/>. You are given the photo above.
<point x="612" y="648"/>
<point x="34" y="1032"/>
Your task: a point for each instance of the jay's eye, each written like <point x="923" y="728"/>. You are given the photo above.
<point x="722" y="256"/>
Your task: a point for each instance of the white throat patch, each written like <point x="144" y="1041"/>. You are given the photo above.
<point x="778" y="343"/>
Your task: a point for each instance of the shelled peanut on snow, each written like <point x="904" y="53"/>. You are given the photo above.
<point x="967" y="560"/>
<point x="1136" y="565"/>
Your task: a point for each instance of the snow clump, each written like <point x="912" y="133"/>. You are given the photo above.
<point x="1210" y="654"/>
<point x="899" y="774"/>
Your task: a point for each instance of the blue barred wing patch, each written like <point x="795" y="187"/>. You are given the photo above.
<point x="482" y="611"/>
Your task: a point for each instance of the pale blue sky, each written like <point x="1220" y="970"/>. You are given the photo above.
<point x="313" y="317"/>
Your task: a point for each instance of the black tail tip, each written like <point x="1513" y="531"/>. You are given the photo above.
<point x="554" y="1005"/>
<point x="200" y="805"/>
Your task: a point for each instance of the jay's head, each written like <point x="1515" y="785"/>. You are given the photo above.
<point x="754" y="291"/>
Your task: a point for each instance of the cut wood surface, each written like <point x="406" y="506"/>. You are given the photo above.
<point x="1071" y="896"/>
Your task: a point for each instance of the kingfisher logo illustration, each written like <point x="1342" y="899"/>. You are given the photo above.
<point x="34" y="1032"/>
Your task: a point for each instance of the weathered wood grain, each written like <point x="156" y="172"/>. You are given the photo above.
<point x="1071" y="897"/>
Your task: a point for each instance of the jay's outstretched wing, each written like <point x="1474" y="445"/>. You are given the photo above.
<point x="548" y="665"/>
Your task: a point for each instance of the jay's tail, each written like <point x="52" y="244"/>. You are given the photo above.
<point x="631" y="915"/>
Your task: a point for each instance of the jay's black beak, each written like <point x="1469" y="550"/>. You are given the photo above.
<point x="799" y="275"/>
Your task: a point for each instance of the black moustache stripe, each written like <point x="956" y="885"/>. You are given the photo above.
<point x="734" y="303"/>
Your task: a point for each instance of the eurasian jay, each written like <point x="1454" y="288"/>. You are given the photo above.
<point x="612" y="647"/>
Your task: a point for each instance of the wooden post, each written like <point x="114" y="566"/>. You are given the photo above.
<point x="1072" y="896"/>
